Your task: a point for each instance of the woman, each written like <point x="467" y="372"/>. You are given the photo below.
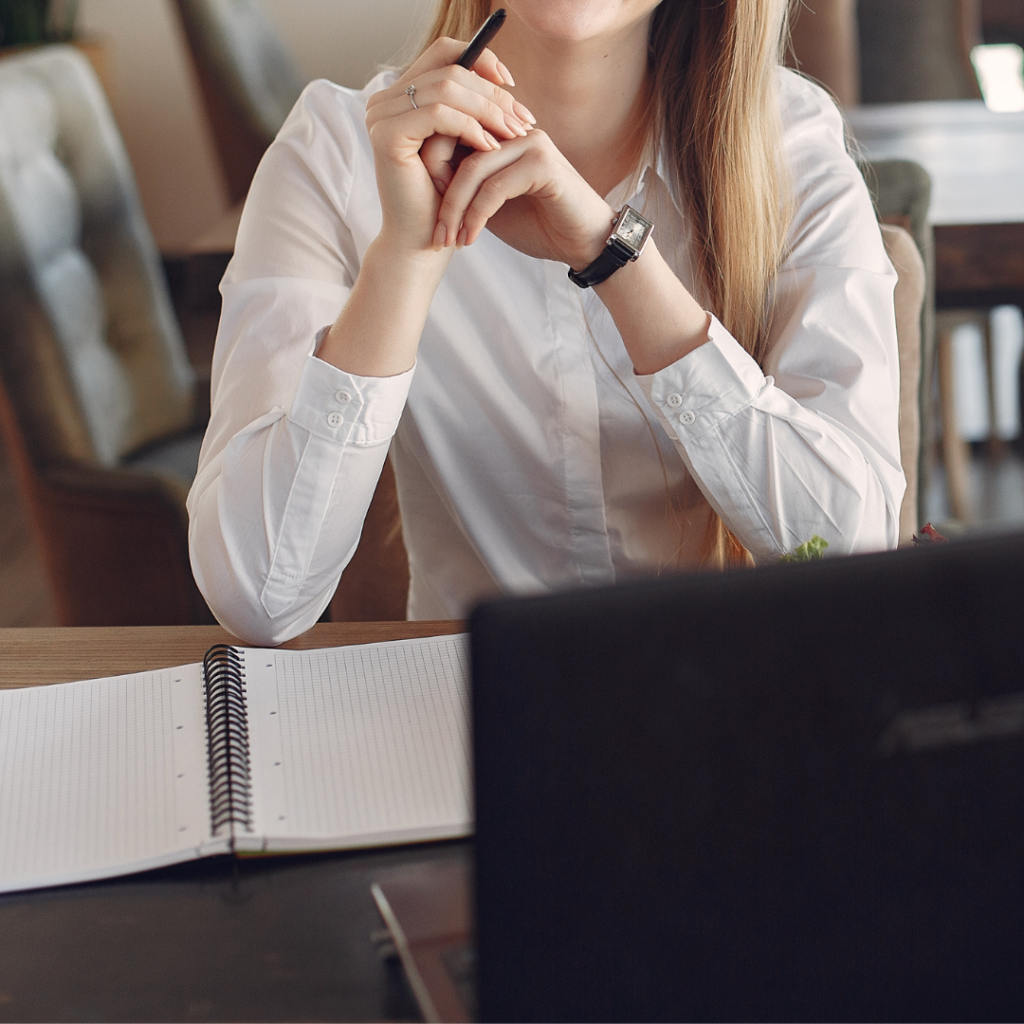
<point x="400" y="279"/>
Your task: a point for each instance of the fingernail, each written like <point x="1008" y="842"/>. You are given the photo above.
<point x="440" y="186"/>
<point x="515" y="124"/>
<point x="461" y="240"/>
<point x="495" y="144"/>
<point x="506" y="74"/>
<point x="440" y="239"/>
<point x="523" y="112"/>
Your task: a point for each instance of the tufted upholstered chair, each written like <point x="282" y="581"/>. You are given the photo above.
<point x="99" y="402"/>
<point x="248" y="82"/>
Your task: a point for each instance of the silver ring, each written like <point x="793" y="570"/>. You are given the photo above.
<point x="410" y="91"/>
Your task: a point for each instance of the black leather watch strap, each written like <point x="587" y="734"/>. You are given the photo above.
<point x="614" y="256"/>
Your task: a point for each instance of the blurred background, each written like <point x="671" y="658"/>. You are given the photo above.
<point x="157" y="103"/>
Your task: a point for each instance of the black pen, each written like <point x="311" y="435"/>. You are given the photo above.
<point x="486" y="33"/>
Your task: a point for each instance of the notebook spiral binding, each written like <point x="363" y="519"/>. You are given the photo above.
<point x="227" y="739"/>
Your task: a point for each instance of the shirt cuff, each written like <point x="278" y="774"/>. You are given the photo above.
<point x="711" y="384"/>
<point x="346" y="408"/>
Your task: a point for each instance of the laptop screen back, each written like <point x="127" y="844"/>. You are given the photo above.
<point x="794" y="793"/>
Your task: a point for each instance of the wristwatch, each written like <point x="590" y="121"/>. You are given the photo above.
<point x="628" y="238"/>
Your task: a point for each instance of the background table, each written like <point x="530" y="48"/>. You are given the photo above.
<point x="282" y="938"/>
<point x="976" y="161"/>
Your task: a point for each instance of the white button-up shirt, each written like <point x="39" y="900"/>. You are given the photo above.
<point x="527" y="453"/>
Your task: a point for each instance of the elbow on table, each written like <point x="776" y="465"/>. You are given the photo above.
<point x="236" y="603"/>
<point x="873" y="523"/>
<point x="255" y="627"/>
<point x="860" y="515"/>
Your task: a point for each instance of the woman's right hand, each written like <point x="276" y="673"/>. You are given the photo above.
<point x="413" y="147"/>
<point x="378" y="330"/>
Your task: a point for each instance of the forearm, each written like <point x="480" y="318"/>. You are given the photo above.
<point x="276" y="515"/>
<point x="267" y="559"/>
<point x="778" y="477"/>
<point x="777" y="471"/>
<point x="378" y="330"/>
<point x="780" y="470"/>
<point x="291" y="460"/>
<point x="658" y="318"/>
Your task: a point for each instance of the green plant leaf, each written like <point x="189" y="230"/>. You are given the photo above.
<point x="809" y="550"/>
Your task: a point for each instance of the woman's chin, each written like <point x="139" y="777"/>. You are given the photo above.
<point x="577" y="21"/>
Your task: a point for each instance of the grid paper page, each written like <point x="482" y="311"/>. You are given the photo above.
<point x="361" y="744"/>
<point x="100" y="777"/>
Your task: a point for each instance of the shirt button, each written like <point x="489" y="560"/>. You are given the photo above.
<point x="343" y="396"/>
<point x="686" y="418"/>
<point x="675" y="400"/>
<point x="334" y="419"/>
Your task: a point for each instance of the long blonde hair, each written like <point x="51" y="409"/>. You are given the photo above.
<point x="714" y="114"/>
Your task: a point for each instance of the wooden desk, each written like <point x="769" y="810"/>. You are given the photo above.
<point x="976" y="161"/>
<point x="29" y="657"/>
<point x="282" y="938"/>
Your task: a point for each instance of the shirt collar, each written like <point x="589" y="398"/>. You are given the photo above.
<point x="652" y="168"/>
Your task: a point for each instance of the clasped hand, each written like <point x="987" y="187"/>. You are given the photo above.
<point x="468" y="157"/>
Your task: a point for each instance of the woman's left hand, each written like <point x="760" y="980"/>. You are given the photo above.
<point x="527" y="193"/>
<point x="533" y="199"/>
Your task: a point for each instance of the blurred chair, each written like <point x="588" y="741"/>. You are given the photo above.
<point x="901" y="192"/>
<point x="918" y="50"/>
<point x="910" y="300"/>
<point x="892" y="51"/>
<point x="98" y="403"/>
<point x="248" y="81"/>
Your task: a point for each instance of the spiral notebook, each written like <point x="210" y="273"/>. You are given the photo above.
<point x="251" y="751"/>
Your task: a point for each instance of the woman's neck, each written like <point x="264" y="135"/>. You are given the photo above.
<point x="588" y="96"/>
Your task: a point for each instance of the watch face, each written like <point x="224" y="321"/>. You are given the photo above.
<point x="632" y="228"/>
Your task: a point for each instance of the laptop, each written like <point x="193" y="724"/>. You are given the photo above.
<point x="795" y="793"/>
